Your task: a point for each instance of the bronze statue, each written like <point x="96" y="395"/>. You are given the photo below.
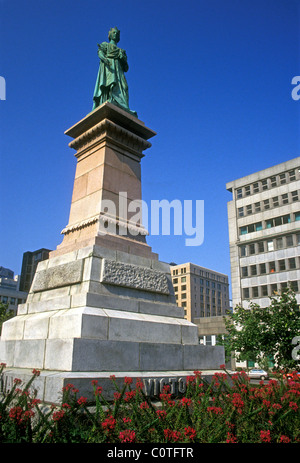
<point x="111" y="84"/>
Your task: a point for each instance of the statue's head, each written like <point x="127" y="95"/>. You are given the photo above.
<point x="114" y="34"/>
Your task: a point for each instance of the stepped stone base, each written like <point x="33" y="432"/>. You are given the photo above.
<point x="101" y="310"/>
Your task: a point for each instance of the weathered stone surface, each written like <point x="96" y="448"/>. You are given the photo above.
<point x="55" y="277"/>
<point x="132" y="276"/>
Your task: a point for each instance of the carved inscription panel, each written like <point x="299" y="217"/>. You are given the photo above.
<point x="132" y="276"/>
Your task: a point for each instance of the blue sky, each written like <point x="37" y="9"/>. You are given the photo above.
<point x="212" y="78"/>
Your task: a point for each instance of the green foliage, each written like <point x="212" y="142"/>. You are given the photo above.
<point x="259" y="334"/>
<point x="225" y="409"/>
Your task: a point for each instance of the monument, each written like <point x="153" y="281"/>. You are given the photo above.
<point x="103" y="304"/>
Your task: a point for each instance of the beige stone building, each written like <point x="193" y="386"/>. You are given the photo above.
<point x="264" y="233"/>
<point x="204" y="295"/>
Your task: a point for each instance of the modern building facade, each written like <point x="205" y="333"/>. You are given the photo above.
<point x="204" y="295"/>
<point x="264" y="233"/>
<point x="9" y="289"/>
<point x="29" y="265"/>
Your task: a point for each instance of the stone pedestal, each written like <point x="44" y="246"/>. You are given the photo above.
<point x="103" y="303"/>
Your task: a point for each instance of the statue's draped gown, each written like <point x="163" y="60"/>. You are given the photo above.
<point x="111" y="84"/>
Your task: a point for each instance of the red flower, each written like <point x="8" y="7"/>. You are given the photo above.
<point x="127" y="420"/>
<point x="215" y="410"/>
<point x="186" y="401"/>
<point x="190" y="433"/>
<point x="293" y="406"/>
<point x="94" y="382"/>
<point x="65" y="405"/>
<point x="128" y="380"/>
<point x="109" y="423"/>
<point x="231" y="438"/>
<point x="82" y="400"/>
<point x="190" y="379"/>
<point x="57" y="416"/>
<point x="144" y="405"/>
<point x="172" y="435"/>
<point x="36" y="372"/>
<point x="161" y="414"/>
<point x="67" y="387"/>
<point x="127" y="436"/>
<point x="139" y="384"/>
<point x="129" y="395"/>
<point x="265" y="436"/>
<point x="284" y="439"/>
<point x="99" y="390"/>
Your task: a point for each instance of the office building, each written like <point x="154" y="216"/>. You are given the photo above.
<point x="264" y="233"/>
<point x="204" y="295"/>
<point x="29" y="265"/>
<point x="9" y="289"/>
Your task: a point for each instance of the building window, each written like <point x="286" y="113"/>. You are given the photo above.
<point x="264" y="290"/>
<point x="245" y="293"/>
<point x="264" y="184"/>
<point x="294" y="285"/>
<point x="279" y="221"/>
<point x="282" y="179"/>
<point x="292" y="263"/>
<point x="279" y="243"/>
<point x="270" y="245"/>
<point x="258" y="226"/>
<point x="261" y="246"/>
<point x="272" y="268"/>
<point x="247" y="190"/>
<point x="255" y="291"/>
<point x="239" y="193"/>
<point x="249" y="209"/>
<point x="252" y="249"/>
<point x="183" y="279"/>
<point x="183" y="288"/>
<point x="284" y="198"/>
<point x="266" y="204"/>
<point x="243" y="250"/>
<point x="275" y="201"/>
<point x="244" y="271"/>
<point x="297" y="216"/>
<point x="273" y="182"/>
<point x="257" y="207"/>
<point x="281" y="265"/>
<point x="253" y="270"/>
<point x="292" y="175"/>
<point x="262" y="268"/>
<point x="241" y="212"/>
<point x="274" y="288"/>
<point x="294" y="195"/>
<point x="255" y="187"/>
<point x="289" y="240"/>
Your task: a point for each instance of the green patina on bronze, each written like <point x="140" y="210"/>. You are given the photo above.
<point x="111" y="84"/>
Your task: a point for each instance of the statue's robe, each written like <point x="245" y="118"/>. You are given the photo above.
<point x="111" y="84"/>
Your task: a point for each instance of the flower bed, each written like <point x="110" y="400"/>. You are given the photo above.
<point x="224" y="410"/>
